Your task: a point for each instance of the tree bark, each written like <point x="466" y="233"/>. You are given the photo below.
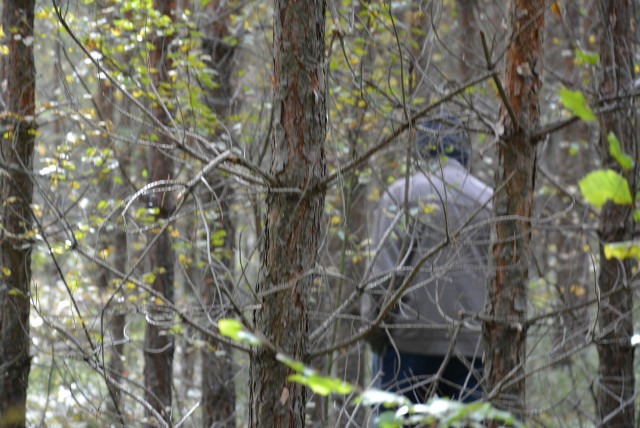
<point x="158" y="343"/>
<point x="505" y="334"/>
<point x="615" y="320"/>
<point x="293" y="221"/>
<point x="469" y="34"/>
<point x="218" y="389"/>
<point x="17" y="135"/>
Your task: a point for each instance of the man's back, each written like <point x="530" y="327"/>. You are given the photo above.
<point x="453" y="279"/>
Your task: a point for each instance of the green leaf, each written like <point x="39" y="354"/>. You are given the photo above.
<point x="586" y="57"/>
<point x="323" y="385"/>
<point x="16" y="292"/>
<point x="290" y="362"/>
<point x="622" y="250"/>
<point x="389" y="420"/>
<point x="615" y="149"/>
<point x="575" y="102"/>
<point x="103" y="205"/>
<point x="233" y="329"/>
<point x="217" y="239"/>
<point x="229" y="327"/>
<point x="603" y="185"/>
<point x="149" y="278"/>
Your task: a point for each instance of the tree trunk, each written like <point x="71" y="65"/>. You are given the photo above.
<point x="16" y="153"/>
<point x="293" y="222"/>
<point x="113" y="242"/>
<point x="616" y="375"/>
<point x="218" y="391"/>
<point x="505" y="334"/>
<point x="158" y="343"/>
<point x="469" y="35"/>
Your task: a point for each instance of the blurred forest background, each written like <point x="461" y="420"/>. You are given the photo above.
<point x="144" y="183"/>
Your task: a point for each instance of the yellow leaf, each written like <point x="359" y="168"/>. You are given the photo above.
<point x="555" y="9"/>
<point x="374" y="195"/>
<point x="335" y="220"/>
<point x="37" y="210"/>
<point x="6" y="271"/>
<point x="577" y="290"/>
<point x="429" y="208"/>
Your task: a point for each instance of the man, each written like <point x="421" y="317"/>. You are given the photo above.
<point x="424" y="330"/>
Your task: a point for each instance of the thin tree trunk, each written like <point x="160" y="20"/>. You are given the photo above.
<point x="616" y="401"/>
<point x="218" y="391"/>
<point x="293" y="221"/>
<point x="111" y="243"/>
<point x="505" y="335"/>
<point x="469" y="36"/>
<point x="158" y="343"/>
<point x="16" y="151"/>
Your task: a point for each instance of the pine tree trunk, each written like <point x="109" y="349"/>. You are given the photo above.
<point x="505" y="335"/>
<point x="293" y="221"/>
<point x="616" y="400"/>
<point x="17" y="135"/>
<point x="158" y="343"/>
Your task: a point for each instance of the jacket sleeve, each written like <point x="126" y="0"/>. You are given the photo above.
<point x="386" y="245"/>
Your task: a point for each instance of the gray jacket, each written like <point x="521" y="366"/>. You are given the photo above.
<point x="453" y="279"/>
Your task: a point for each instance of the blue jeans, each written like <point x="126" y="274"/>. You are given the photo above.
<point x="410" y="375"/>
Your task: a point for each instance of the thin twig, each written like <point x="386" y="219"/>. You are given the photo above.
<point x="496" y="79"/>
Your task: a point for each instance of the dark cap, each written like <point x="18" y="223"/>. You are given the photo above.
<point x="444" y="136"/>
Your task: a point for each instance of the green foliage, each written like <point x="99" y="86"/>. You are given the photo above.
<point x="440" y="412"/>
<point x="575" y="102"/>
<point x="622" y="250"/>
<point x="587" y="57"/>
<point x="323" y="385"/>
<point x="218" y="237"/>
<point x="615" y="149"/>
<point x="233" y="329"/>
<point x="600" y="186"/>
